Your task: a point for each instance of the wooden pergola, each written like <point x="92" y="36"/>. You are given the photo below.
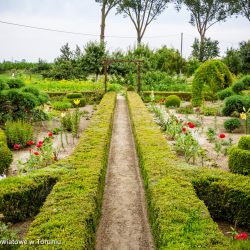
<point x="107" y="62"/>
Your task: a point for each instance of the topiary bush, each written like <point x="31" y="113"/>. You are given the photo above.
<point x="223" y="94"/>
<point x="15" y="83"/>
<point x="246" y="81"/>
<point x="61" y="106"/>
<point x="74" y="95"/>
<point x="173" y="101"/>
<point x="235" y="103"/>
<point x="209" y="78"/>
<point x="18" y="132"/>
<point x="232" y="124"/>
<point x="239" y="160"/>
<point x="5" y="158"/>
<point x="242" y="84"/>
<point x="244" y="142"/>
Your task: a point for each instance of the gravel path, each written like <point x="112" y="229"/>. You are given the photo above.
<point x="124" y="224"/>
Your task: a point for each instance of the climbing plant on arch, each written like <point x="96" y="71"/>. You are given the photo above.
<point x="209" y="78"/>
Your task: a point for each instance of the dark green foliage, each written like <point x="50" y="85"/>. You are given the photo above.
<point x="209" y="78"/>
<point x="74" y="95"/>
<point x="15" y="83"/>
<point x="3" y="86"/>
<point x="131" y="88"/>
<point x="61" y="106"/>
<point x="244" y="142"/>
<point x="232" y="124"/>
<point x="173" y="101"/>
<point x="225" y="93"/>
<point x="18" y="132"/>
<point x="235" y="103"/>
<point x="31" y="89"/>
<point x="246" y="81"/>
<point x="72" y="209"/>
<point x="233" y="61"/>
<point x="239" y="161"/>
<point x="245" y="56"/>
<point x="5" y="153"/>
<point x="238" y="87"/>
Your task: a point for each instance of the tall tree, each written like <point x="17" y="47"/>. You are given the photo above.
<point x="210" y="49"/>
<point x="206" y="13"/>
<point x="106" y="6"/>
<point x="242" y="7"/>
<point x="141" y="13"/>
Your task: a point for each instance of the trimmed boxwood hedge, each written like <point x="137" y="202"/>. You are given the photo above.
<point x="179" y="220"/>
<point x="244" y="142"/>
<point x="183" y="95"/>
<point x="72" y="209"/>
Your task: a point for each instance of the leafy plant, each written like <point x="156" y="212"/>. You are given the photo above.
<point x="5" y="158"/>
<point x="185" y="110"/>
<point x="18" y="132"/>
<point x="211" y="135"/>
<point x="225" y="93"/>
<point x="61" y="106"/>
<point x="232" y="124"/>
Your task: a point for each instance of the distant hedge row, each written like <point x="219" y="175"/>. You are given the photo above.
<point x="179" y="219"/>
<point x="71" y="211"/>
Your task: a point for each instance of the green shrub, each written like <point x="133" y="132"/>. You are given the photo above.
<point x="5" y="158"/>
<point x="3" y="86"/>
<point x="238" y="87"/>
<point x="173" y="101"/>
<point x="61" y="106"/>
<point x="176" y="222"/>
<point x="81" y="104"/>
<point x="31" y="89"/>
<point x="244" y="142"/>
<point x="232" y="124"/>
<point x="235" y="103"/>
<point x="6" y="234"/>
<point x="18" y="132"/>
<point x="225" y="93"/>
<point x="161" y="94"/>
<point x="239" y="161"/>
<point x="130" y="88"/>
<point x="15" y="83"/>
<point x="71" y="211"/>
<point x="74" y="95"/>
<point x="186" y="110"/>
<point x="246" y="81"/>
<point x="211" y="77"/>
<point x="3" y="137"/>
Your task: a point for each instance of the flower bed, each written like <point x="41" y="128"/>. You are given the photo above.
<point x="71" y="211"/>
<point x="179" y="219"/>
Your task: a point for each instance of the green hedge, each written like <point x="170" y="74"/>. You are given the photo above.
<point x="71" y="211"/>
<point x="244" y="142"/>
<point x="183" y="95"/>
<point x="226" y="195"/>
<point x="179" y="220"/>
<point x="22" y="197"/>
<point x="239" y="161"/>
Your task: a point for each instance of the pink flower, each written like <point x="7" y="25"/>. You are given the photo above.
<point x="17" y="146"/>
<point x="241" y="236"/>
<point x="36" y="153"/>
<point x="50" y="134"/>
<point x="30" y="143"/>
<point x="221" y="136"/>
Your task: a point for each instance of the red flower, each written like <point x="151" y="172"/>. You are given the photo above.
<point x="39" y="145"/>
<point x="222" y="136"/>
<point x="184" y="130"/>
<point x="36" y="153"/>
<point x="191" y="125"/>
<point x="17" y="146"/>
<point x="40" y="142"/>
<point x="30" y="143"/>
<point x="176" y="121"/>
<point x="241" y="236"/>
<point x="50" y="134"/>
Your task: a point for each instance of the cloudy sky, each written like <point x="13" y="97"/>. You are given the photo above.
<point x="83" y="16"/>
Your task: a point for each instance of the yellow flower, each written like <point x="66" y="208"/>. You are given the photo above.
<point x="76" y="102"/>
<point x="63" y="114"/>
<point x="243" y="116"/>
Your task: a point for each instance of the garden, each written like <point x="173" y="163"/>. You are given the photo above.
<point x="190" y="132"/>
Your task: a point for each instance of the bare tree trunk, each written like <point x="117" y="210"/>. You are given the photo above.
<point x="202" y="47"/>
<point x="102" y="36"/>
<point x="139" y="37"/>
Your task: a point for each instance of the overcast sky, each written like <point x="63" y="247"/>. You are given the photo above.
<point x="17" y="43"/>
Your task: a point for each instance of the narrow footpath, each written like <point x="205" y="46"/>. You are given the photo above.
<point x="124" y="223"/>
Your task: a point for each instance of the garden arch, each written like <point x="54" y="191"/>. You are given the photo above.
<point x="107" y="62"/>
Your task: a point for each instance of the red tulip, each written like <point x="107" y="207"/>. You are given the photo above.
<point x="36" y="153"/>
<point x="50" y="134"/>
<point x="191" y="125"/>
<point x="17" y="146"/>
<point x="241" y="236"/>
<point x="39" y="145"/>
<point x="222" y="136"/>
<point x="30" y="143"/>
<point x="184" y="129"/>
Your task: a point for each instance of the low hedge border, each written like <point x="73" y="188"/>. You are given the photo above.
<point x="226" y="195"/>
<point x="72" y="209"/>
<point x="183" y="95"/>
<point x="179" y="220"/>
